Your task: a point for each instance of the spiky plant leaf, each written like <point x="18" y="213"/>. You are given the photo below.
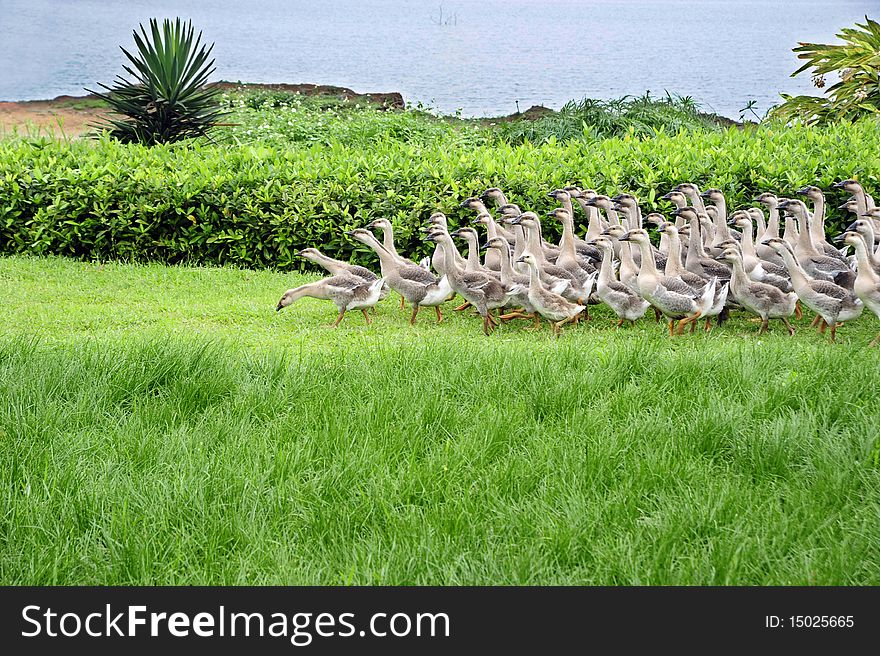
<point x="167" y="97"/>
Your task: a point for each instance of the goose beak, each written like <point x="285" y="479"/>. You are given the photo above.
<point x="484" y="196"/>
<point x="279" y="307"/>
<point x="838" y="185"/>
<point x="624" y="237"/>
<point x="551" y="213"/>
<point x="350" y="233"/>
<point x="677" y="211"/>
<point x="300" y="253"/>
<point x="705" y="194"/>
<point x="843" y="207"/>
<point x="466" y="202"/>
<point x="839" y="238"/>
<point x="732" y="223"/>
<point x="553" y="194"/>
<point x="802" y="191"/>
<point x="516" y="220"/>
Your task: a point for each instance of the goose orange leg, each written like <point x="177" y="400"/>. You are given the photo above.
<point x="439" y="314"/>
<point x="338" y="319"/>
<point x="463" y="306"/>
<point x="657" y="315"/>
<point x="816" y="321"/>
<point x="671" y="322"/>
<point x="834" y="331"/>
<point x="789" y="326"/>
<point x="798" y="311"/>
<point x="412" y="318"/>
<point x="618" y="324"/>
<point x="366" y="316"/>
<point x="764" y="324"/>
<point x="822" y="326"/>
<point x="708" y="324"/>
<point x="402" y="304"/>
<point x="875" y="341"/>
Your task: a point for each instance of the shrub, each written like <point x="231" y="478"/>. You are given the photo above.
<point x="255" y="205"/>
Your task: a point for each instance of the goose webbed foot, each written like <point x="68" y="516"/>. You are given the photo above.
<point x="618" y="324"/>
<point x="834" y="327"/>
<point x="788" y="326"/>
<point x="708" y="327"/>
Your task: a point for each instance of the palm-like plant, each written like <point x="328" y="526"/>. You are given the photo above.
<point x="169" y="98"/>
<point x="856" y="61"/>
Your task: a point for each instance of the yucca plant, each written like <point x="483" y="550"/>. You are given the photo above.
<point x="856" y="62"/>
<point x="169" y="98"/>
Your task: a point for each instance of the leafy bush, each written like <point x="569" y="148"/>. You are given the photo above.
<point x="168" y="99"/>
<point x="599" y="119"/>
<point x="856" y="62"/>
<point x="257" y="204"/>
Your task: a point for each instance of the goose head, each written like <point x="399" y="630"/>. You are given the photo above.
<point x="561" y="195"/>
<point x="852" y="205"/>
<point x="767" y="200"/>
<point x="688" y="213"/>
<point x="602" y="242"/>
<point x="362" y="235"/>
<point x="574" y="192"/>
<point x="729" y="255"/>
<point x="509" y="211"/>
<point x="712" y="212"/>
<point x="526" y="219"/>
<point x="615" y="231"/>
<point x="464" y="233"/>
<point x="482" y="218"/>
<point x="311" y="254"/>
<point x="655" y="218"/>
<point x="527" y="258"/>
<point x="755" y="213"/>
<point x="793" y="206"/>
<point x="583" y="194"/>
<point x="687" y="188"/>
<point x="381" y="224"/>
<point x="626" y="200"/>
<point x="498" y="242"/>
<point x="811" y="192"/>
<point x="778" y="245"/>
<point x="851" y="186"/>
<point x="286" y="299"/>
<point x="437" y="218"/>
<point x="492" y="193"/>
<point x="859" y="225"/>
<point x="560" y="213"/>
<point x="713" y="195"/>
<point x="676" y="197"/>
<point x="639" y="236"/>
<point x="741" y="219"/>
<point x="600" y="201"/>
<point x="850" y="237"/>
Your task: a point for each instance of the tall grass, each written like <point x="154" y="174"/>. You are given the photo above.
<point x="188" y="434"/>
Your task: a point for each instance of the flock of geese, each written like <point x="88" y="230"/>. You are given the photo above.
<point x="707" y="262"/>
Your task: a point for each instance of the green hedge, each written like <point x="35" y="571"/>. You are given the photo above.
<point x="256" y="205"/>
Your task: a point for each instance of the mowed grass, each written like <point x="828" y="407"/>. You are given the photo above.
<point x="164" y="425"/>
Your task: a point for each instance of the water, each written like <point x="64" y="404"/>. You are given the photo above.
<point x="482" y="58"/>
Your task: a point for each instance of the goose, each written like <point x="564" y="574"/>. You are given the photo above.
<point x="855" y="188"/>
<point x="769" y="230"/>
<point x="437" y="260"/>
<point x="815" y="264"/>
<point x="806" y="243"/>
<point x="674" y="267"/>
<point x="679" y="200"/>
<point x="604" y="203"/>
<point x="771" y="202"/>
<point x="550" y="272"/>
<point x="479" y="205"/>
<point x="831" y="302"/>
<point x="871" y="217"/>
<point x="481" y="290"/>
<point x="584" y="250"/>
<point x="569" y="259"/>
<point x="495" y="195"/>
<point x="347" y="292"/>
<point x="671" y="296"/>
<point x="767" y="301"/>
<point x="493" y="258"/>
<point x="624" y="302"/>
<point x="656" y="219"/>
<point x="697" y="261"/>
<point x="628" y="271"/>
<point x="548" y="304"/>
<point x="817" y="220"/>
<point x="472" y="263"/>
<point x="595" y="225"/>
<point x="867" y="285"/>
<point x="626" y="205"/>
<point x="716" y="196"/>
<point x="337" y="267"/>
<point x="419" y="287"/>
<point x="756" y="268"/>
<point x="866" y="229"/>
<point x="517" y="283"/>
<point x="693" y="194"/>
<point x="388" y="241"/>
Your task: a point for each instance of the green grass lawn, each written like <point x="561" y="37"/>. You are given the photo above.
<point x="164" y="425"/>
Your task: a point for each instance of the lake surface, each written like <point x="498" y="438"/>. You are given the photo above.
<point x="483" y="57"/>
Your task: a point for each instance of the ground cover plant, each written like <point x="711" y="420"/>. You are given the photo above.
<point x="165" y="425"/>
